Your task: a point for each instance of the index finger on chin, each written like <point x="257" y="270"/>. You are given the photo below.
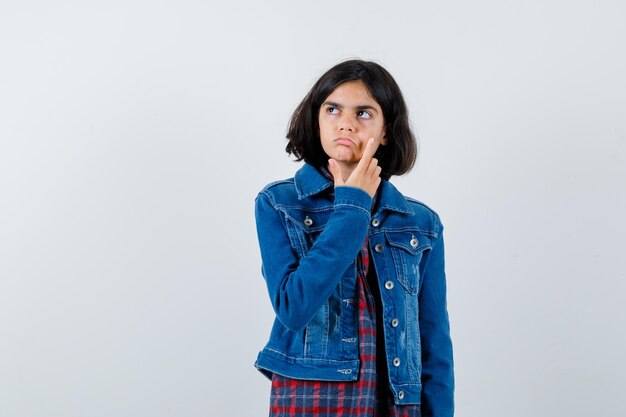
<point x="370" y="150"/>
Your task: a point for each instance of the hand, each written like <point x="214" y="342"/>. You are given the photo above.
<point x="366" y="175"/>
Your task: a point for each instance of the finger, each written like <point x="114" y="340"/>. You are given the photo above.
<point x="372" y="165"/>
<point x="373" y="186"/>
<point x="334" y="169"/>
<point x="368" y="152"/>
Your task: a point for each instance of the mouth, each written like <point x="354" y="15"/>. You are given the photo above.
<point x="346" y="141"/>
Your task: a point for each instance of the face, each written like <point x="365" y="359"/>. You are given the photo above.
<point x="348" y="118"/>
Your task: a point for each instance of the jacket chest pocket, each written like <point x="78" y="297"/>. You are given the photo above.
<point x="407" y="250"/>
<point x="305" y="226"/>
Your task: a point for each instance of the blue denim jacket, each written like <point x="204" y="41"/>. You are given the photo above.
<point x="310" y="233"/>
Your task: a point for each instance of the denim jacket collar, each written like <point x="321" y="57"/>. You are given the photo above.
<point x="309" y="181"/>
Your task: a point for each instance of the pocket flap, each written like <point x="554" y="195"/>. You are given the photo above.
<point x="410" y="241"/>
<point x="309" y="221"/>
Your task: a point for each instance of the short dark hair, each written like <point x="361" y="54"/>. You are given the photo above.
<point x="395" y="158"/>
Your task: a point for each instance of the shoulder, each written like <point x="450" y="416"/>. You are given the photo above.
<point x="425" y="215"/>
<point x="278" y="190"/>
<point x="277" y="186"/>
<point x="409" y="212"/>
<point x="422" y="208"/>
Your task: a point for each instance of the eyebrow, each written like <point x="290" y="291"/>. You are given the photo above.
<point x="339" y="106"/>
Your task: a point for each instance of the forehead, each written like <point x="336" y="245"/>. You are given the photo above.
<point x="352" y="93"/>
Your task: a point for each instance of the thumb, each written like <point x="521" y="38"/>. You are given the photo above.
<point x="334" y="169"/>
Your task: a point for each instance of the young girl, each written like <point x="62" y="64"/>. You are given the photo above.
<point x="354" y="269"/>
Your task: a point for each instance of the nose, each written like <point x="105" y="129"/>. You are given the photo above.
<point x="346" y="123"/>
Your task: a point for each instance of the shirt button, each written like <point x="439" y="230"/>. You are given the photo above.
<point x="400" y="395"/>
<point x="414" y="242"/>
<point x="389" y="285"/>
<point x="395" y="322"/>
<point x="378" y="248"/>
<point x="308" y="222"/>
<point x="396" y="362"/>
<point x="375" y="222"/>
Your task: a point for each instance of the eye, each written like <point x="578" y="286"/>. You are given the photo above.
<point x="332" y="110"/>
<point x="364" y="114"/>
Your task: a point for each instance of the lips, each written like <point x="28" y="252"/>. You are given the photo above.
<point x="345" y="141"/>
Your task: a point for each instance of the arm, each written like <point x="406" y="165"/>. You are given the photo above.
<point x="437" y="363"/>
<point x="299" y="287"/>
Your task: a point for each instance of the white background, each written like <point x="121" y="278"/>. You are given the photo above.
<point x="134" y="136"/>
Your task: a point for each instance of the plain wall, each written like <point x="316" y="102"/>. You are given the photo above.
<point x="135" y="135"/>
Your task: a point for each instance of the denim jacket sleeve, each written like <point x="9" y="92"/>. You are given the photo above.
<point x="298" y="287"/>
<point x="437" y="363"/>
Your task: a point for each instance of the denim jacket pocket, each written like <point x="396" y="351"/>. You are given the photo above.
<point x="407" y="248"/>
<point x="305" y="227"/>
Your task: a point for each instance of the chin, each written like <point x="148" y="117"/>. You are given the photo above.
<point x="346" y="158"/>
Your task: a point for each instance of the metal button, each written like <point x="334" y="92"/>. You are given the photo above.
<point x="389" y="285"/>
<point x="307" y="221"/>
<point x="396" y="361"/>
<point x="378" y="248"/>
<point x="395" y="322"/>
<point x="400" y="395"/>
<point x="414" y="242"/>
<point x="375" y="222"/>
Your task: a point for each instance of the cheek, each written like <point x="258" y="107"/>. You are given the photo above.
<point x="379" y="131"/>
<point x="323" y="125"/>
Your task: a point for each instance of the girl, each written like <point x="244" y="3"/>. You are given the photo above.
<point x="354" y="269"/>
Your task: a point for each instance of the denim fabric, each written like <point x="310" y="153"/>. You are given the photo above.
<point x="363" y="397"/>
<point x="310" y="234"/>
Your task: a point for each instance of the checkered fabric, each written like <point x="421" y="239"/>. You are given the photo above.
<point x="300" y="398"/>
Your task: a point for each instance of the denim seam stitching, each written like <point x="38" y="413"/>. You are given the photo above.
<point x="352" y="206"/>
<point x="306" y="208"/>
<point x="310" y="359"/>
